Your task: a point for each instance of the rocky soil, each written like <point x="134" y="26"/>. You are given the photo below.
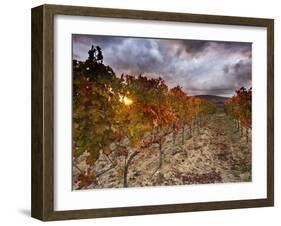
<point x="214" y="153"/>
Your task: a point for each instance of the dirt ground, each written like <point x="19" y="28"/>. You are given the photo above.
<point x="215" y="153"/>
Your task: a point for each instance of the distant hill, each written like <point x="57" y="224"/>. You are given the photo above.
<point x="218" y="100"/>
<point x="215" y="99"/>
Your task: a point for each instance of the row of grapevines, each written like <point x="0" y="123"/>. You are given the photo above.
<point x="239" y="108"/>
<point x="126" y="115"/>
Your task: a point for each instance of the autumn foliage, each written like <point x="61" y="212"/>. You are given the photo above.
<point x="239" y="108"/>
<point x="127" y="114"/>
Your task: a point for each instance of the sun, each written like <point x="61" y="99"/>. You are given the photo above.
<point x="125" y="100"/>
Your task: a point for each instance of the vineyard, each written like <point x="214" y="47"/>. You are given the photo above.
<point x="239" y="108"/>
<point x="136" y="131"/>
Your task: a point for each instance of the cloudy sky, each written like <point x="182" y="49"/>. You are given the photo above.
<point x="199" y="67"/>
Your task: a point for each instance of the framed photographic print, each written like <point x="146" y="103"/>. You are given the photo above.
<point x="141" y="112"/>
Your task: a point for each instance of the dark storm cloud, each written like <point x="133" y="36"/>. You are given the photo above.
<point x="200" y="67"/>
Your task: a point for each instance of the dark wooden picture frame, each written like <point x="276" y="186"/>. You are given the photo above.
<point x="42" y="203"/>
